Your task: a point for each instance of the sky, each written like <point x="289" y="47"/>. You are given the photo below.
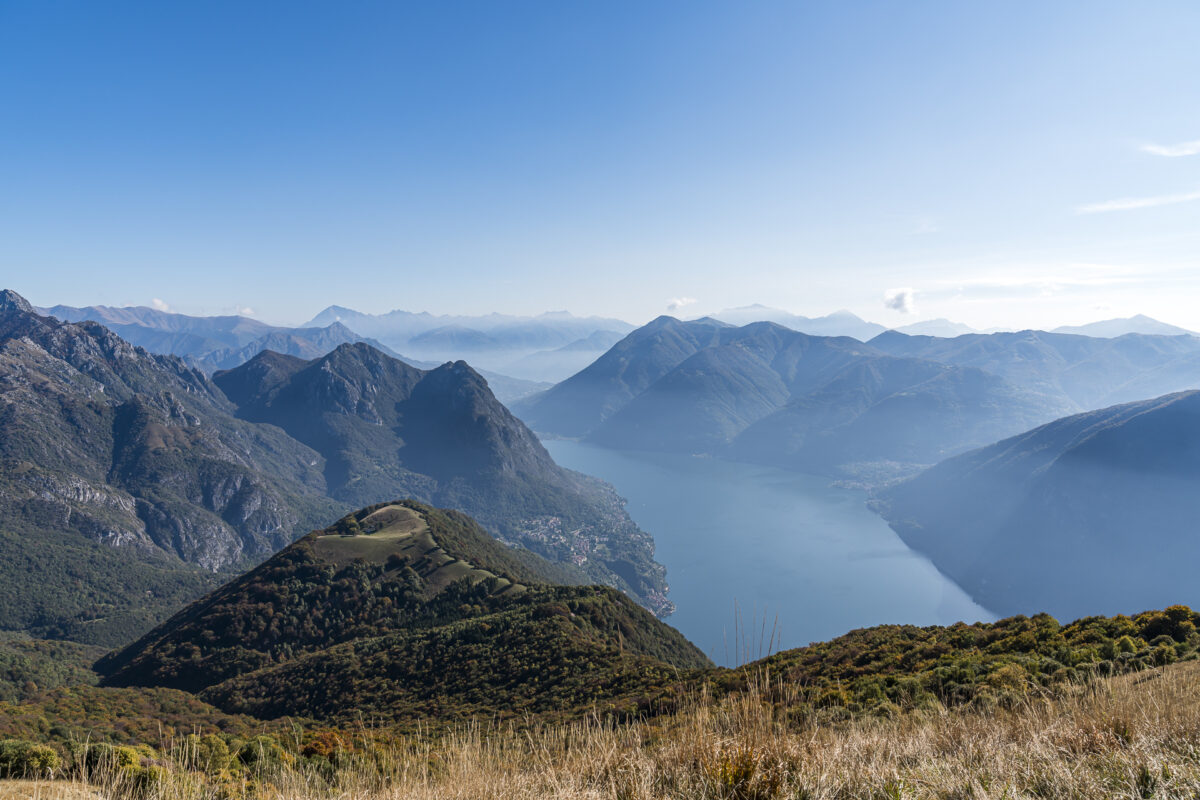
<point x="1018" y="164"/>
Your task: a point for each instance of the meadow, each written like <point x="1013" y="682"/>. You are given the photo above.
<point x="1131" y="736"/>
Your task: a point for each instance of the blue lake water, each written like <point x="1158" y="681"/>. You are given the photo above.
<point x="752" y="549"/>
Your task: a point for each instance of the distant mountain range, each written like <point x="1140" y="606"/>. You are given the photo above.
<point x="215" y="343"/>
<point x="524" y="347"/>
<point x="845" y="323"/>
<point x="405" y="612"/>
<point x="936" y="327"/>
<point x="839" y="323"/>
<point x="768" y="394"/>
<point x="1112" y="328"/>
<point x="126" y="469"/>
<point x="1071" y="372"/>
<point x="1095" y="513"/>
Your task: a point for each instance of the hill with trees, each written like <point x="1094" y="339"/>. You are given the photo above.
<point x="407" y="611"/>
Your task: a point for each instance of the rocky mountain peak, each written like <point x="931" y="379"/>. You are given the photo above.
<point x="11" y="302"/>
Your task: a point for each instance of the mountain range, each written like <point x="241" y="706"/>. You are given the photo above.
<point x="123" y="468"/>
<point x="529" y="348"/>
<point x="1070" y="372"/>
<point x="1112" y="328"/>
<point x="224" y="342"/>
<point x="769" y="394"/>
<point x="1094" y="513"/>
<point x="839" y="323"/>
<point x="114" y="456"/>
<point x="845" y="323"/>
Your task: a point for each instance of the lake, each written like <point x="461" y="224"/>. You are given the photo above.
<point x="752" y="549"/>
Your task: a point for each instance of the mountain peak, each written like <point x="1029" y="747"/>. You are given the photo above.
<point x="11" y="302"/>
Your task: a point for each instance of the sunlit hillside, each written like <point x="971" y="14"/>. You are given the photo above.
<point x="1134" y="736"/>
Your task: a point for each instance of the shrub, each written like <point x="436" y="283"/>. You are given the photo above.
<point x="22" y="759"/>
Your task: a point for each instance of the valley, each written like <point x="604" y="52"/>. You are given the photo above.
<point x="762" y="559"/>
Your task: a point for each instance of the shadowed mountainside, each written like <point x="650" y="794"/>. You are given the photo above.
<point x="1093" y="513"/>
<point x="387" y="429"/>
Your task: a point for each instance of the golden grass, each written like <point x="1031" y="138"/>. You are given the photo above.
<point x="47" y="790"/>
<point x="1132" y="737"/>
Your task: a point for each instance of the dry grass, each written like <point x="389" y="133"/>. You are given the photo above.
<point x="46" y="790"/>
<point x="1131" y="737"/>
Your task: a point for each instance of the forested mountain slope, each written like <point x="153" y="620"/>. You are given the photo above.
<point x="403" y="610"/>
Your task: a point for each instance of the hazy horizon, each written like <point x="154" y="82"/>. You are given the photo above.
<point x="688" y="313"/>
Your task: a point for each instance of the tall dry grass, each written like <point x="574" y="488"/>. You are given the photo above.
<point x="1137" y="736"/>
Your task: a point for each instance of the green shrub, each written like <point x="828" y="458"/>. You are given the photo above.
<point x="22" y="759"/>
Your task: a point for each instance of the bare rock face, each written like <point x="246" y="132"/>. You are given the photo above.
<point x="139" y="451"/>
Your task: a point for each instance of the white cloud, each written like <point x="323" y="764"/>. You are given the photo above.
<point x="160" y="305"/>
<point x="245" y="311"/>
<point x="902" y="300"/>
<point x="676" y="303"/>
<point x="1173" y="150"/>
<point x="1131" y="203"/>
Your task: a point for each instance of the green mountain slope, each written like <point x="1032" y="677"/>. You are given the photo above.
<point x="412" y="609"/>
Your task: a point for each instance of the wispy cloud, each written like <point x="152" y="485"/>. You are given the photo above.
<point x="1131" y="203"/>
<point x="1173" y="150"/>
<point x="902" y="300"/>
<point x="1043" y="280"/>
<point x="926" y="225"/>
<point x="245" y="311"/>
<point x="676" y="303"/>
<point x="160" y="304"/>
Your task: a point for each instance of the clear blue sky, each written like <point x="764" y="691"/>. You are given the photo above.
<point x="605" y="157"/>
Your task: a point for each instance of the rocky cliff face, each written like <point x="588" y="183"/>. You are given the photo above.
<point x="140" y="451"/>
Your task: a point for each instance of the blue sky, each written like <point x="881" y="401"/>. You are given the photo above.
<point x="1022" y="163"/>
